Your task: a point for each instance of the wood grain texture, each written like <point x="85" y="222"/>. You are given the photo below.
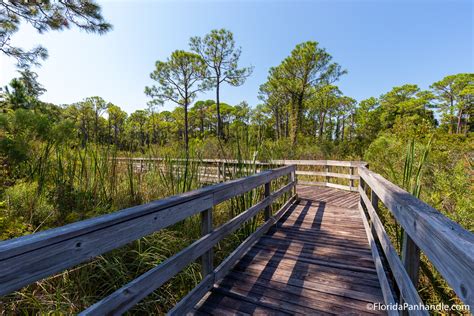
<point x="130" y="294"/>
<point x="327" y="174"/>
<point x="314" y="256"/>
<point x="208" y="257"/>
<point x="405" y="284"/>
<point x="251" y="162"/>
<point x="187" y="303"/>
<point x="448" y="246"/>
<point x="384" y="284"/>
<point x="30" y="258"/>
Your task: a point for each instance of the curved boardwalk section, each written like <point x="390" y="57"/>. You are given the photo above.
<point x="315" y="260"/>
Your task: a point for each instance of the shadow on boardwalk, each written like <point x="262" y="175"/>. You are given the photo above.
<point x="316" y="260"/>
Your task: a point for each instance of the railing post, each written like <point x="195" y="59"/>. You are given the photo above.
<point x="294" y="180"/>
<point x="218" y="171"/>
<point x="375" y="203"/>
<point x="327" y="170"/>
<point x="268" y="209"/>
<point x="351" y="181"/>
<point x="411" y="261"/>
<point x="411" y="258"/>
<point x="206" y="228"/>
<point x="362" y="186"/>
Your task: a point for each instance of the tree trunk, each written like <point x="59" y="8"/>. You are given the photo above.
<point x="459" y="125"/>
<point x="295" y="114"/>
<point x="277" y="124"/>
<point x="322" y="118"/>
<point x="468" y="124"/>
<point x="96" y="129"/>
<point x="116" y="135"/>
<point x="451" y="112"/>
<point x="336" y="136"/>
<point x="293" y="125"/>
<point x="343" y="127"/>
<point x="186" y="139"/>
<point x="219" y="125"/>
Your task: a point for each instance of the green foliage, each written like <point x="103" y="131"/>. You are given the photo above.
<point x="45" y="16"/>
<point x="57" y="164"/>
<point x="179" y="79"/>
<point x="455" y="96"/>
<point x="412" y="177"/>
<point x="218" y="51"/>
<point x="308" y="67"/>
<point x="24" y="200"/>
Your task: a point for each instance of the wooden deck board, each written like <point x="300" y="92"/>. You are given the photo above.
<point x="316" y="260"/>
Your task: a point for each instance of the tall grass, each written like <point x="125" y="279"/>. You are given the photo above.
<point x="72" y="184"/>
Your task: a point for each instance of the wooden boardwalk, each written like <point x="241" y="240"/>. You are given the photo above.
<point x="316" y="260"/>
<point x="316" y="256"/>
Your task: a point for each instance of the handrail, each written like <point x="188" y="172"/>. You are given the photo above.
<point x="448" y="246"/>
<point x="256" y="162"/>
<point x="217" y="170"/>
<point x="27" y="259"/>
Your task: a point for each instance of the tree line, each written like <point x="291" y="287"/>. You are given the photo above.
<point x="299" y="99"/>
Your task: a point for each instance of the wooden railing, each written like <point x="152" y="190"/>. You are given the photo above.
<point x="448" y="246"/>
<point x="329" y="169"/>
<point x="30" y="258"/>
<point x="312" y="172"/>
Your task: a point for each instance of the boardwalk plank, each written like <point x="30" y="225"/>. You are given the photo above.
<point x="316" y="260"/>
<point x="302" y="296"/>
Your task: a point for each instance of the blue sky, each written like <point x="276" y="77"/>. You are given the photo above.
<point x="381" y="43"/>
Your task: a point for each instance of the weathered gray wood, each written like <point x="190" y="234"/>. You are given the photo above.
<point x="130" y="294"/>
<point x="287" y="277"/>
<point x="352" y="177"/>
<point x="294" y="180"/>
<point x="411" y="258"/>
<point x="411" y="261"/>
<point x="240" y="251"/>
<point x="340" y="186"/>
<point x="268" y="210"/>
<point x="236" y="187"/>
<point x="448" y="246"/>
<point x="329" y="185"/>
<point x="407" y="289"/>
<point x="133" y="292"/>
<point x="208" y="257"/>
<point x="259" y="163"/>
<point x="30" y="258"/>
<point x="193" y="297"/>
<point x="320" y="163"/>
<point x="374" y="199"/>
<point x="316" y="183"/>
<point x="53" y="257"/>
<point x="327" y="174"/>
<point x="385" y="286"/>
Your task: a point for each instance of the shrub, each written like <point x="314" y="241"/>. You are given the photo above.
<point x="23" y="200"/>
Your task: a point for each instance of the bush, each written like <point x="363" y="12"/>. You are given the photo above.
<point x="23" y="200"/>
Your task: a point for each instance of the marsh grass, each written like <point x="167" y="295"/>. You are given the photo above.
<point x="80" y="183"/>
